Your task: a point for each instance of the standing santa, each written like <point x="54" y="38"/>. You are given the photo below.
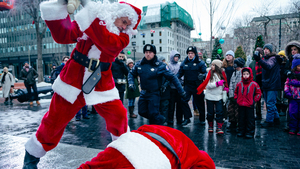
<point x="101" y="31"/>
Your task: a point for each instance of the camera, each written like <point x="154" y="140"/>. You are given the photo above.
<point x="256" y="53"/>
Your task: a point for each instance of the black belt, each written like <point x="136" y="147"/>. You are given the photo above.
<point x="166" y="144"/>
<point x="93" y="65"/>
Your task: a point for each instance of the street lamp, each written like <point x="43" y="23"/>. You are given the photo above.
<point x="133" y="50"/>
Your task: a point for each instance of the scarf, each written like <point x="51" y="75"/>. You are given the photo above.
<point x="3" y="77"/>
<point x="205" y="82"/>
<point x="258" y="68"/>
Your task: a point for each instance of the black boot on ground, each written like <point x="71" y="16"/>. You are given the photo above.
<point x="30" y="162"/>
<point x="185" y="122"/>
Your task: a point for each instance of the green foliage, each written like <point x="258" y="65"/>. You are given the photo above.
<point x="259" y="43"/>
<point x="215" y="54"/>
<point x="239" y="53"/>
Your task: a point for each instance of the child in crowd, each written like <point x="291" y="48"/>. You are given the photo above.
<point x="233" y="107"/>
<point x="292" y="90"/>
<point x="215" y="83"/>
<point x="247" y="92"/>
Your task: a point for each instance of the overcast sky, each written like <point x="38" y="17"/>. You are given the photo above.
<point x="200" y="13"/>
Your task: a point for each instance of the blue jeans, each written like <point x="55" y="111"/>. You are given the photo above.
<point x="131" y="102"/>
<point x="270" y="99"/>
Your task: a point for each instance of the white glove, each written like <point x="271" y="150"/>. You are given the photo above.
<point x="72" y="5"/>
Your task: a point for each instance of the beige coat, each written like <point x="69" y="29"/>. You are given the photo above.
<point x="8" y="83"/>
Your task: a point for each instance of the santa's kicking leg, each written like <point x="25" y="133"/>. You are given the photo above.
<point x="115" y="115"/>
<point x="51" y="129"/>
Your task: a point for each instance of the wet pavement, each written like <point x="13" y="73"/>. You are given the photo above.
<point x="82" y="140"/>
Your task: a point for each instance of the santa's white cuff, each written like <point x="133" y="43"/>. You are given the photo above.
<point x="86" y="16"/>
<point x="141" y="152"/>
<point x="34" y="147"/>
<point x="52" y="10"/>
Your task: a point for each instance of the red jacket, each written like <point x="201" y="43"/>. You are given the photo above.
<point x="247" y="92"/>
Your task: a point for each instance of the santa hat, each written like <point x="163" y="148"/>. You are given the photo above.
<point x="138" y="12"/>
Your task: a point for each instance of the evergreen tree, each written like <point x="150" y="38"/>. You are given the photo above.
<point x="239" y="53"/>
<point x="259" y="43"/>
<point x="215" y="54"/>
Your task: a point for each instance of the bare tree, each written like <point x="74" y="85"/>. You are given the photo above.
<point x="31" y="7"/>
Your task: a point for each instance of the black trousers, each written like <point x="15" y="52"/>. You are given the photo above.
<point x="175" y="101"/>
<point x="148" y="107"/>
<point x="246" y="120"/>
<point x="35" y="93"/>
<point x="199" y="101"/>
<point x="121" y="89"/>
<point x="214" y="107"/>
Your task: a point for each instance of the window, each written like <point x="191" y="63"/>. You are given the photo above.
<point x="160" y="41"/>
<point x="134" y="36"/>
<point x="144" y="42"/>
<point x="160" y="49"/>
<point x="159" y="33"/>
<point x="151" y="41"/>
<point x="151" y="34"/>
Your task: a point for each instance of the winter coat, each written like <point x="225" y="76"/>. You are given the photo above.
<point x="132" y="94"/>
<point x="28" y="77"/>
<point x="228" y="70"/>
<point x="7" y="84"/>
<point x="247" y="92"/>
<point x="191" y="69"/>
<point x="56" y="72"/>
<point x="214" y="93"/>
<point x="292" y="88"/>
<point x="235" y="78"/>
<point x="271" y="80"/>
<point x="174" y="66"/>
<point x="119" y="70"/>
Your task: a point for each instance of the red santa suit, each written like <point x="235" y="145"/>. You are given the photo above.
<point x="97" y="37"/>
<point x="138" y="150"/>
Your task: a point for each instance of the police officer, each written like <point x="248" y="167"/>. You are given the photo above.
<point x="194" y="71"/>
<point x="151" y="72"/>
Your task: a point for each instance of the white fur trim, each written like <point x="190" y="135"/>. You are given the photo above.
<point x="34" y="147"/>
<point x="140" y="151"/>
<point x="108" y="13"/>
<point x="113" y="137"/>
<point x="52" y="10"/>
<point x="65" y="90"/>
<point x="101" y="97"/>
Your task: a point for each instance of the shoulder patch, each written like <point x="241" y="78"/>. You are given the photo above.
<point x="167" y="68"/>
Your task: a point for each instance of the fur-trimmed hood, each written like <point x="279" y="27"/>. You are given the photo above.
<point x="288" y="47"/>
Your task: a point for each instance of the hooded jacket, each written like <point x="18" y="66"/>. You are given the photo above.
<point x="271" y="80"/>
<point x="174" y="66"/>
<point x="247" y="92"/>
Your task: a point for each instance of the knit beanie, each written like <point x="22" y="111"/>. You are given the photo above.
<point x="239" y="62"/>
<point x="296" y="61"/>
<point x="269" y="46"/>
<point x="217" y="62"/>
<point x="149" y="47"/>
<point x="230" y="52"/>
<point x="282" y="53"/>
<point x="129" y="61"/>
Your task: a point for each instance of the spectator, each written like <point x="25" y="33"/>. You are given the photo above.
<point x="119" y="71"/>
<point x="233" y="107"/>
<point x="151" y="70"/>
<point x="52" y="73"/>
<point x="247" y="92"/>
<point x="270" y="83"/>
<point x="282" y="102"/>
<point x="82" y="112"/>
<point x="194" y="71"/>
<point x="131" y="95"/>
<point x="215" y="83"/>
<point x="291" y="89"/>
<point x="59" y="68"/>
<point x="7" y="82"/>
<point x="257" y="77"/>
<point x="29" y="74"/>
<point x="175" y="100"/>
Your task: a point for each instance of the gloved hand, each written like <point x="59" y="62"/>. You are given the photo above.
<point x="226" y="89"/>
<point x="288" y="95"/>
<point x="163" y="88"/>
<point x="131" y="87"/>
<point x="201" y="76"/>
<point x="288" y="74"/>
<point x="184" y="97"/>
<point x="279" y="59"/>
<point x="256" y="56"/>
<point x="220" y="83"/>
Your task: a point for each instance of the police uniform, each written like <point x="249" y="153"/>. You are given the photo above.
<point x="151" y="73"/>
<point x="191" y="69"/>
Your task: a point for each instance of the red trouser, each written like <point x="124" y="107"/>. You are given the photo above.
<point x="61" y="113"/>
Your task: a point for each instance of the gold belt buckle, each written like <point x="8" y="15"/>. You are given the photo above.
<point x="90" y="64"/>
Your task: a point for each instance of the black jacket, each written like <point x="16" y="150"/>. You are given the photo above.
<point x="151" y="75"/>
<point x="119" y="70"/>
<point x="191" y="69"/>
<point x="28" y="77"/>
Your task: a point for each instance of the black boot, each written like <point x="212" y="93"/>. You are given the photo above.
<point x="30" y="162"/>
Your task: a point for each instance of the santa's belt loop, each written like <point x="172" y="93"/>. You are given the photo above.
<point x="166" y="144"/>
<point x="93" y="65"/>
